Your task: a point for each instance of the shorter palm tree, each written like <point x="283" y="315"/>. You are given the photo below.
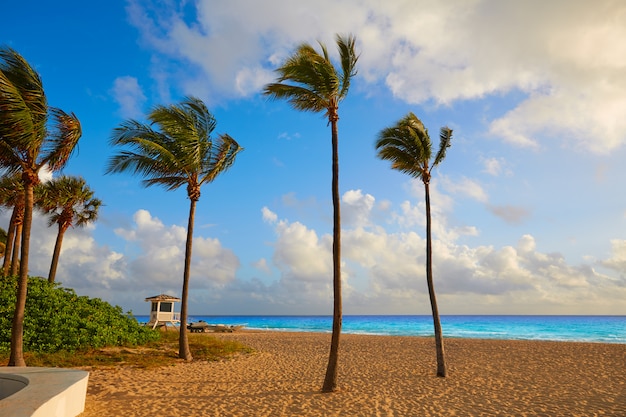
<point x="68" y="202"/>
<point x="407" y="145"/>
<point x="181" y="152"/>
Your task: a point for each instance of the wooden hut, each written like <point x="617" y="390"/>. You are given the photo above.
<point x="162" y="311"/>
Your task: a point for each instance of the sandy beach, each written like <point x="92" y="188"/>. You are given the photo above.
<point x="378" y="376"/>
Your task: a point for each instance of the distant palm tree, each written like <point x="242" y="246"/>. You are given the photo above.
<point x="408" y="147"/>
<point x="309" y="81"/>
<point x="68" y="202"/>
<point x="181" y="152"/>
<point x="28" y="142"/>
<point x="12" y="196"/>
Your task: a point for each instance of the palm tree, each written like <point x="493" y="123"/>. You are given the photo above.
<point x="309" y="81"/>
<point x="69" y="202"/>
<point x="12" y="196"/>
<point x="181" y="152"/>
<point x="30" y="140"/>
<point x="408" y="147"/>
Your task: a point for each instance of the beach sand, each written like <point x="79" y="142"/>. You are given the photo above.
<point x="378" y="376"/>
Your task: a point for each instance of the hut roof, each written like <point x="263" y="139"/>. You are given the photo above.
<point x="163" y="297"/>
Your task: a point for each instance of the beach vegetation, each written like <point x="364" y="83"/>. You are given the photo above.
<point x="408" y="147"/>
<point x="152" y="354"/>
<point x="65" y="330"/>
<point x="57" y="319"/>
<point x="180" y="152"/>
<point x="68" y="202"/>
<point x="34" y="135"/>
<point x="309" y="81"/>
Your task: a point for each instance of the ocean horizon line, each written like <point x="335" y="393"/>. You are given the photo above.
<point x="581" y="328"/>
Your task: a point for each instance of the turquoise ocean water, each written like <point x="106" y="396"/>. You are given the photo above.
<point x="606" y="329"/>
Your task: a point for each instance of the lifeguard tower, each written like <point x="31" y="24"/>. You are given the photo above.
<point x="162" y="311"/>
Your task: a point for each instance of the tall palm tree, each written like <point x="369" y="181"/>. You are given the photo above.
<point x="408" y="147"/>
<point x="68" y="202"/>
<point x="30" y="140"/>
<point x="181" y="152"/>
<point x="309" y="81"/>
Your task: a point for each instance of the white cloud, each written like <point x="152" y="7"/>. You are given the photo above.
<point x="465" y="187"/>
<point x="268" y="215"/>
<point x="300" y="254"/>
<point x="424" y="52"/>
<point x="617" y="261"/>
<point x="495" y="166"/>
<point x="262" y="265"/>
<point x="127" y="92"/>
<point x="356" y="208"/>
<point x="383" y="269"/>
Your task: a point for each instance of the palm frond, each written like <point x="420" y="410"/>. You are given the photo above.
<point x="62" y="142"/>
<point x="445" y="138"/>
<point x="68" y="201"/>
<point x="23" y="103"/>
<point x="222" y="158"/>
<point x="406" y="145"/>
<point x="177" y="151"/>
<point x="349" y="60"/>
<point x="309" y="80"/>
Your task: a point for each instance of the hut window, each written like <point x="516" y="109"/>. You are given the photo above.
<point x="154" y="307"/>
<point x="166" y="307"/>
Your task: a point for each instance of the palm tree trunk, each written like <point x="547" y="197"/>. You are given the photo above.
<point x="8" y="249"/>
<point x="183" y="340"/>
<point x="55" y="255"/>
<point x="330" y="381"/>
<point x="17" y="330"/>
<point x="17" y="244"/>
<point x="441" y="363"/>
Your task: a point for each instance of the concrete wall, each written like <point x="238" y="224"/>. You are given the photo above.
<point x="42" y="392"/>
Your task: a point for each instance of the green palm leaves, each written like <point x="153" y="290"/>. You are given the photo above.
<point x="408" y="147"/>
<point x="179" y="152"/>
<point x="68" y="202"/>
<point x="26" y="145"/>
<point x="309" y="81"/>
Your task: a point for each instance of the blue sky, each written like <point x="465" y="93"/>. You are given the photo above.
<point x="528" y="207"/>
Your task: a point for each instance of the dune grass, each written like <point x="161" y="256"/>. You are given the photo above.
<point x="163" y="352"/>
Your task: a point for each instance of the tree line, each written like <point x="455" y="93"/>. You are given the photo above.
<point x="176" y="148"/>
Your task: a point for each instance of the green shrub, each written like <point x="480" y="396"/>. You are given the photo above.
<point x="57" y="319"/>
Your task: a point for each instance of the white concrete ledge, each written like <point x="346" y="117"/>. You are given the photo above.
<point x="42" y="392"/>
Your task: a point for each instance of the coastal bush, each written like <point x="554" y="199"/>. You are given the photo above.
<point x="58" y="319"/>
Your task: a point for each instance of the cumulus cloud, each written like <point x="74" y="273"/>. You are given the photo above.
<point x="383" y="268"/>
<point x="161" y="255"/>
<point x="465" y="187"/>
<point x="495" y="166"/>
<point x="356" y="208"/>
<point x="128" y="94"/>
<point x="268" y="215"/>
<point x="151" y="263"/>
<point x="617" y="260"/>
<point x="569" y="87"/>
<point x="386" y="270"/>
